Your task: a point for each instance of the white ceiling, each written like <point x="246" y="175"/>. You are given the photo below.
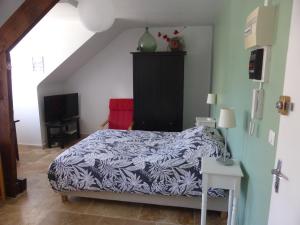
<point x="129" y="14"/>
<point x="83" y="54"/>
<point x="63" y="11"/>
<point x="7" y="7"/>
<point x="169" y="12"/>
<point x="150" y="12"/>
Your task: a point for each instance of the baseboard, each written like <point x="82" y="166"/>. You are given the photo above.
<point x="30" y="146"/>
<point x="44" y="145"/>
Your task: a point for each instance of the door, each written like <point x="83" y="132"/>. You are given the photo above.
<point x="285" y="206"/>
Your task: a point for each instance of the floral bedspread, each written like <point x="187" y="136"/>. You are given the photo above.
<point x="144" y="162"/>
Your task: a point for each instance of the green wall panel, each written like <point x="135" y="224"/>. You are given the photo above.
<point x="234" y="89"/>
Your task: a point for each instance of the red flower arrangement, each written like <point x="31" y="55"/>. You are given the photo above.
<point x="166" y="37"/>
<point x="176" y="42"/>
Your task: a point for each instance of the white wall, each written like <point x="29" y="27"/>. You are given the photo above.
<point x="197" y="81"/>
<point x="53" y="38"/>
<point x="109" y="75"/>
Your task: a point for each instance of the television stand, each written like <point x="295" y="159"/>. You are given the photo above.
<point x="61" y="132"/>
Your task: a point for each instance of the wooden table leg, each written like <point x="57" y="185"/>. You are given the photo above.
<point x="64" y="198"/>
<point x="204" y="199"/>
<point x="230" y="201"/>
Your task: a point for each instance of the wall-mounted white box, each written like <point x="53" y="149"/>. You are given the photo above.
<point x="260" y="27"/>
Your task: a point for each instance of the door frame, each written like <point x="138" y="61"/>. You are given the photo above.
<point x="13" y="30"/>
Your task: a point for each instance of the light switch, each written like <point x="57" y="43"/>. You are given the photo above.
<point x="272" y="136"/>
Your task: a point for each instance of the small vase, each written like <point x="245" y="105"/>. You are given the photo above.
<point x="176" y="44"/>
<point x="147" y="42"/>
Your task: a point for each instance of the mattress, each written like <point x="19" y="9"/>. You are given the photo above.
<point x="142" y="162"/>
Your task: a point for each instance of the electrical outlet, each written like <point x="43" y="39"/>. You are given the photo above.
<point x="272" y="136"/>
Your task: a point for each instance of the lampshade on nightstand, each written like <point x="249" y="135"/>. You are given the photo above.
<point x="211" y="99"/>
<point x="226" y="120"/>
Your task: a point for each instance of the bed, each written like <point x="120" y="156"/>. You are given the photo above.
<point x="140" y="166"/>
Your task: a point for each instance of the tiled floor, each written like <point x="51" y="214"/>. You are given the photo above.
<point x="41" y="206"/>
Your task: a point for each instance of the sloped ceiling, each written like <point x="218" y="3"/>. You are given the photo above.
<point x="7" y="7"/>
<point x="138" y="13"/>
<point x="169" y="12"/>
<point x="86" y="52"/>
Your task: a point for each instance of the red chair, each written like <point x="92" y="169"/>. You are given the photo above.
<point x="120" y="114"/>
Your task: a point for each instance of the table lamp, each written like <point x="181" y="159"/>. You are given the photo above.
<point x="226" y="120"/>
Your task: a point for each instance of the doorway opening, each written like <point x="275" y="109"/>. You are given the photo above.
<point x="16" y="27"/>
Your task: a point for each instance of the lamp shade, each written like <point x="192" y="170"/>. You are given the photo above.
<point x="211" y="99"/>
<point x="227" y="118"/>
<point x="96" y="15"/>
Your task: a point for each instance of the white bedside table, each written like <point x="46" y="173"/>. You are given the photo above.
<point x="216" y="175"/>
<point x="205" y="121"/>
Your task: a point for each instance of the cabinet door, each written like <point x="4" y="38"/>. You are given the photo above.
<point x="170" y="91"/>
<point x="146" y="70"/>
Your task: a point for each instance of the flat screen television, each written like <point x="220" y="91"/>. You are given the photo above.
<point x="61" y="107"/>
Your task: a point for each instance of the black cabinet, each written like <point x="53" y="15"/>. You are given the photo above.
<point x="158" y="80"/>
